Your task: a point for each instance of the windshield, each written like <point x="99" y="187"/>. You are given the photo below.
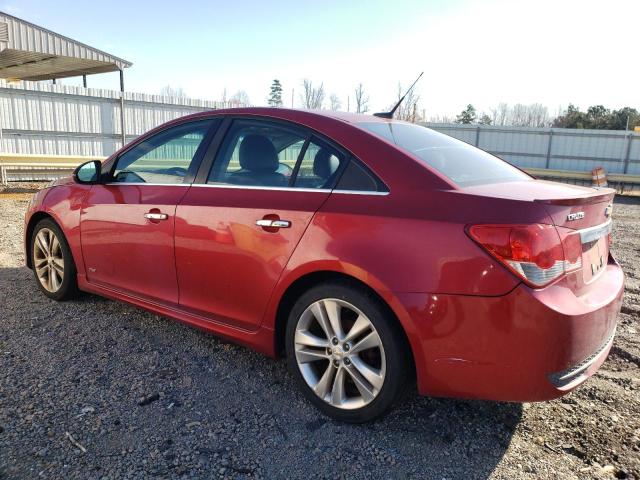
<point x="463" y="164"/>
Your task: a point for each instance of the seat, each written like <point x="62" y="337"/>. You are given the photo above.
<point x="325" y="165"/>
<point x="258" y="163"/>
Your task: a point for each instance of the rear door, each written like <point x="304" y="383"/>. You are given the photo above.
<point x="236" y="230"/>
<point x="127" y="223"/>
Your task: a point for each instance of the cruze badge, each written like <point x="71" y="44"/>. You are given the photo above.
<point x="575" y="216"/>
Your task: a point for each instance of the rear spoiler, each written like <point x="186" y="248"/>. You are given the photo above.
<point x="602" y="195"/>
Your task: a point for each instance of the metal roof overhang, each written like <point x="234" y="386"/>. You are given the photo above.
<point x="32" y="66"/>
<point x="30" y="52"/>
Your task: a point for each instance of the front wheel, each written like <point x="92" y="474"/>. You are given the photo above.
<point x="52" y="262"/>
<point x="346" y="352"/>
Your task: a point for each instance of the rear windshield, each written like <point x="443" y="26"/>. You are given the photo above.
<point x="463" y="164"/>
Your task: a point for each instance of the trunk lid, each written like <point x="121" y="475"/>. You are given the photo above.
<point x="574" y="210"/>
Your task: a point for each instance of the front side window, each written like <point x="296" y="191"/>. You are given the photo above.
<point x="463" y="164"/>
<point x="163" y="158"/>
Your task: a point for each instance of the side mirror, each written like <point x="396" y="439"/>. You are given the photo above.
<point x="88" y="173"/>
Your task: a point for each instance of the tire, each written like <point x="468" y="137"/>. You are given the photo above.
<point x="315" y="361"/>
<point x="47" y="258"/>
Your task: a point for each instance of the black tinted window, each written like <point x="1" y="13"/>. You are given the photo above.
<point x="357" y="177"/>
<point x="463" y="164"/>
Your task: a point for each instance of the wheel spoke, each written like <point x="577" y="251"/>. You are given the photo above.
<point x="372" y="375"/>
<point x="370" y="341"/>
<point x="52" y="238"/>
<point x="337" y="392"/>
<point x="59" y="269"/>
<point x="39" y="262"/>
<point x="333" y="312"/>
<point x="323" y="386"/>
<point x="43" y="243"/>
<point x="321" y="316"/>
<point x="55" y="281"/>
<point x="306" y="355"/>
<point x="304" y="337"/>
<point x="49" y="278"/>
<point x="55" y="245"/>
<point x="360" y="326"/>
<point x="361" y="384"/>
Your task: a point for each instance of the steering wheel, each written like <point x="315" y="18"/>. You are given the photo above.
<point x="123" y="175"/>
<point x="285" y="170"/>
<point x="178" y="171"/>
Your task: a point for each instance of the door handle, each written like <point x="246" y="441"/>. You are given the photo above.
<point x="265" y="222"/>
<point x="156" y="216"/>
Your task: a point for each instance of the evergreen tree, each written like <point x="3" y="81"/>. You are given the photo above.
<point x="468" y="115"/>
<point x="275" y="96"/>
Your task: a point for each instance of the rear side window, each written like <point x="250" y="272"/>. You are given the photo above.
<point x="319" y="166"/>
<point x="463" y="164"/>
<point x="357" y="177"/>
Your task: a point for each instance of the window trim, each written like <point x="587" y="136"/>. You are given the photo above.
<point x="189" y="178"/>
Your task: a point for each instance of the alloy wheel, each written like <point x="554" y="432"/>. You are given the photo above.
<point x="48" y="260"/>
<point x="340" y="354"/>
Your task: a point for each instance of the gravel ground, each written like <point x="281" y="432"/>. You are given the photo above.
<point x="97" y="389"/>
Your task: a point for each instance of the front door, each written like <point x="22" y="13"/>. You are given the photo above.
<point x="235" y="234"/>
<point x="127" y="223"/>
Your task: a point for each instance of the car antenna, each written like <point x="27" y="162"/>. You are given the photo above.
<point x="393" y="110"/>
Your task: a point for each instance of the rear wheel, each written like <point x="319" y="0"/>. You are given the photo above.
<point x="52" y="262"/>
<point x="346" y="352"/>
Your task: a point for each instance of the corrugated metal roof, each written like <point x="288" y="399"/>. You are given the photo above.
<point x="30" y="52"/>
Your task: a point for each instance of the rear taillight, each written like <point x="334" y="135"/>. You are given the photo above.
<point x="537" y="253"/>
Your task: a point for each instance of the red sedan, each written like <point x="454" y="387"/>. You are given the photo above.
<point x="372" y="253"/>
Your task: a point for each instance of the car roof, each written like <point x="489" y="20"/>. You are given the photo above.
<point x="290" y="113"/>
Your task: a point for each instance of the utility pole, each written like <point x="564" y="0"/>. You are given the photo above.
<point x="292" y="92"/>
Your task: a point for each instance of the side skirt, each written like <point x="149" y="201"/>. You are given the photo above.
<point x="261" y="340"/>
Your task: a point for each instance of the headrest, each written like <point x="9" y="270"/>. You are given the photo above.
<point x="258" y="154"/>
<point x="325" y="164"/>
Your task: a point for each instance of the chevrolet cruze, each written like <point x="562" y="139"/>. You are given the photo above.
<point x="372" y="253"/>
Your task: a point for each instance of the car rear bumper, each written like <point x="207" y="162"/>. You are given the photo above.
<point x="528" y="345"/>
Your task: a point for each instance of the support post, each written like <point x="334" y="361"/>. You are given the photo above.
<point x="548" y="161"/>
<point x="477" y="136"/>
<point x="122" y="118"/>
<point x="84" y="81"/>
<point x="627" y="155"/>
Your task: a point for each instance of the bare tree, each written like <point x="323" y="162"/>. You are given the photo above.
<point x="520" y="115"/>
<point x="500" y="114"/>
<point x="240" y="98"/>
<point x="362" y="99"/>
<point x="408" y="109"/>
<point x="312" y="97"/>
<point x="169" y="91"/>
<point x="335" y="103"/>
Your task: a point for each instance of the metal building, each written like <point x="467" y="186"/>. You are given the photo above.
<point x="30" y="52"/>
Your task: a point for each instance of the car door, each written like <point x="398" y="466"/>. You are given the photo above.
<point x="127" y="221"/>
<point x="236" y="231"/>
